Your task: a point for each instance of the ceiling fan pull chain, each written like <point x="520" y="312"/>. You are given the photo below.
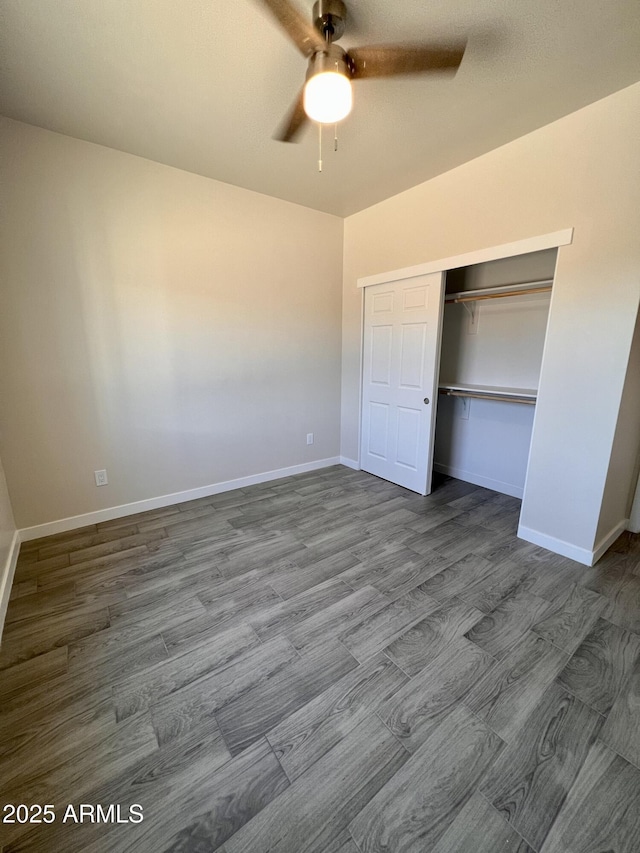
<point x="319" y="147"/>
<point x="335" y="137"/>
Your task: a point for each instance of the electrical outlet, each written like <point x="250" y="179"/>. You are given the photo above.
<point x="101" y="477"/>
<point x="309" y="438"/>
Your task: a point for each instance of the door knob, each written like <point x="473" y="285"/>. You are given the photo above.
<point x="426" y="401"/>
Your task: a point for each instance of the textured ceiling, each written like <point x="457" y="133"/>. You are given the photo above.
<point x="203" y="85"/>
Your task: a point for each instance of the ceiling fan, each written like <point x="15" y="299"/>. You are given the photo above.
<point x="326" y="96"/>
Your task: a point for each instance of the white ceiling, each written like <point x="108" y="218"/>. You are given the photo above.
<point x="203" y="85"/>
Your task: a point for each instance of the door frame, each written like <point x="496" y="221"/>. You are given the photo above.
<point x="553" y="240"/>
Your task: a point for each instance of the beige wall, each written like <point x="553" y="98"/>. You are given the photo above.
<point x="634" y="522"/>
<point x="7" y="525"/>
<point x="8" y="547"/>
<point x="625" y="457"/>
<point x="174" y="330"/>
<point x="581" y="172"/>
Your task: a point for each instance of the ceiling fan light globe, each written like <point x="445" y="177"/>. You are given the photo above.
<point x="328" y="97"/>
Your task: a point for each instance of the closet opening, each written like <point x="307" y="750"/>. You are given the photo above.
<point x="493" y="332"/>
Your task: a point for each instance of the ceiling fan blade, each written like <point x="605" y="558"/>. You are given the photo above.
<point x="301" y="32"/>
<point x="389" y="60"/>
<point x="294" y="122"/>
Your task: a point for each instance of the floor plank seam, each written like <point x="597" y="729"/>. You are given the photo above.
<point x="376" y="713"/>
<point x="345" y="582"/>
<point x="619" y="754"/>
<point x="493" y="657"/>
<point x="395" y="663"/>
<point x="551" y="643"/>
<point x="165" y="645"/>
<point x="483" y="721"/>
<point x="616" y="624"/>
<point x="580" y="698"/>
<point x="248" y="625"/>
<point x="358" y="662"/>
<point x="351" y="838"/>
<point x="275" y="591"/>
<point x="282" y="767"/>
<point x="519" y="834"/>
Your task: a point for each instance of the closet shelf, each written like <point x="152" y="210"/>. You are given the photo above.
<point x="489" y="392"/>
<point x="542" y="286"/>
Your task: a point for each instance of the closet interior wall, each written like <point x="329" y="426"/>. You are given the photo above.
<point x="492" y="343"/>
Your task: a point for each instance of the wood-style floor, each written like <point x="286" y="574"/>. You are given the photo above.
<point x="326" y="663"/>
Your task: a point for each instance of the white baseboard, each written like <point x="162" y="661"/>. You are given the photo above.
<point x="607" y="541"/>
<point x="574" y="552"/>
<point x="64" y="524"/>
<point x="6" y="577"/>
<point x="478" y="480"/>
<point x="350" y="463"/>
<point x="558" y="546"/>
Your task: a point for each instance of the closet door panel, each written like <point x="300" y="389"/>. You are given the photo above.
<point x="381" y="338"/>
<point x="378" y="430"/>
<point x="408" y="438"/>
<point x="401" y="358"/>
<point x="412" y="355"/>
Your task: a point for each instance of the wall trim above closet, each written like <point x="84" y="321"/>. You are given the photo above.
<point x="479" y="256"/>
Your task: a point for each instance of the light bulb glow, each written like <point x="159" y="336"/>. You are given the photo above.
<point x="328" y="97"/>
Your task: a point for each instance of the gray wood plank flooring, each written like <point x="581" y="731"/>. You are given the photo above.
<point x="319" y="725"/>
<point x="422" y="704"/>
<point x="431" y="787"/>
<point x="601" y="665"/>
<point x="529" y="782"/>
<point x="323" y="664"/>
<point x="479" y="828"/>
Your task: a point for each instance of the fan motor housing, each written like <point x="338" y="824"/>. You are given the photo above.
<point x="333" y="58"/>
<point x="329" y="18"/>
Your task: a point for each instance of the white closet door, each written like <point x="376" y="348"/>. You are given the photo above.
<point x="400" y="379"/>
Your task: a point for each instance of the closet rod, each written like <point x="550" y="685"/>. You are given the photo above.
<point x="476" y="298"/>
<point x="500" y="398"/>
